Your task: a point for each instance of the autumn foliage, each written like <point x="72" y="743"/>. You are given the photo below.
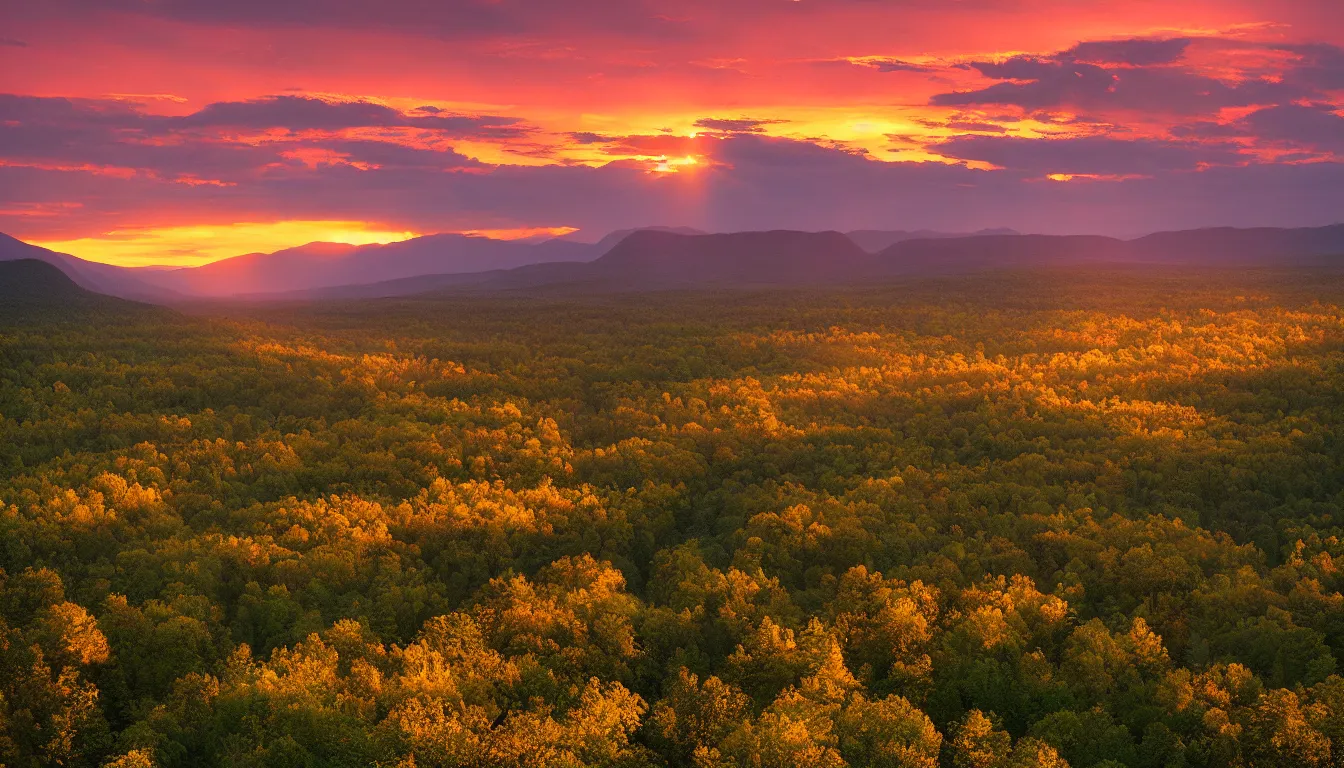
<point x="1074" y="518"/>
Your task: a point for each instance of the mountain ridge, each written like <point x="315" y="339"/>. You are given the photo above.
<point x="667" y="257"/>
<point x="875" y="240"/>
<point x="654" y="260"/>
<point x="322" y="265"/>
<point x="100" y="278"/>
<point x="36" y="290"/>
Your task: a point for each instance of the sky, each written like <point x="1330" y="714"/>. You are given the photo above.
<point x="177" y="132"/>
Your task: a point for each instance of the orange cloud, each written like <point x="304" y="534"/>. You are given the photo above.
<point x="204" y="118"/>
<point x="520" y="233"/>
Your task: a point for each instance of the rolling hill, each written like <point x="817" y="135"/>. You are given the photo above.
<point x="32" y="281"/>
<point x="34" y="289"/>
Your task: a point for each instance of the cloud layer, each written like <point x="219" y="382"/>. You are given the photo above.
<point x="514" y="114"/>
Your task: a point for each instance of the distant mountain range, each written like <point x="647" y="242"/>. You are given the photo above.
<point x="612" y="238"/>
<point x="90" y="275"/>
<point x="320" y="265"/>
<point x="874" y="240"/>
<point x="668" y="257"/>
<point x="1218" y="247"/>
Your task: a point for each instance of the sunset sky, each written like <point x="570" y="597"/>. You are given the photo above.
<point x="182" y="131"/>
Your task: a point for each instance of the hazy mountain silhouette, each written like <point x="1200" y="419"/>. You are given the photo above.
<point x="36" y="290"/>
<point x="322" y="265"/>
<point x="1228" y="246"/>
<point x="399" y="269"/>
<point x="99" y="278"/>
<point x="614" y="238"/>
<point x="656" y="259"/>
<point x="874" y="240"/>
<point x="36" y="281"/>
<point x="1222" y="247"/>
<point x="664" y="257"/>
<point x="650" y="259"/>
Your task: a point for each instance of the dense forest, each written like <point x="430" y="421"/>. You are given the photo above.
<point x="1080" y="518"/>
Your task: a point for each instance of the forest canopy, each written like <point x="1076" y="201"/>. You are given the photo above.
<point x="1080" y="518"/>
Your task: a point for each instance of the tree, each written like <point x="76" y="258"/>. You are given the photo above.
<point x="978" y="743"/>
<point x="890" y="733"/>
<point x="693" y="716"/>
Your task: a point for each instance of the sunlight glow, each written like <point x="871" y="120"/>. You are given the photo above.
<point x="521" y="233"/>
<point x="674" y="164"/>
<point x="194" y="245"/>
<point x="1066" y="177"/>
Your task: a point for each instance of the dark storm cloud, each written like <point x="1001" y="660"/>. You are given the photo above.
<point x="466" y="16"/>
<point x="1208" y="129"/>
<point x="895" y="65"/>
<point x="387" y="155"/>
<point x="970" y="125"/>
<point x="1136" y="52"/>
<point x="113" y="135"/>
<point x="747" y="180"/>
<point x="105" y="132"/>
<point x="299" y="113"/>
<point x="447" y="19"/>
<point x="735" y="125"/>
<point x="758" y="183"/>
<point x="295" y="113"/>
<point x="1088" y="155"/>
<point x="1309" y="128"/>
<point x="588" y="137"/>
<point x="1314" y="127"/>
<point x="1321" y="66"/>
<point x="1149" y="75"/>
<point x="42" y="110"/>
<point x="1043" y="83"/>
<point x="458" y="17"/>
